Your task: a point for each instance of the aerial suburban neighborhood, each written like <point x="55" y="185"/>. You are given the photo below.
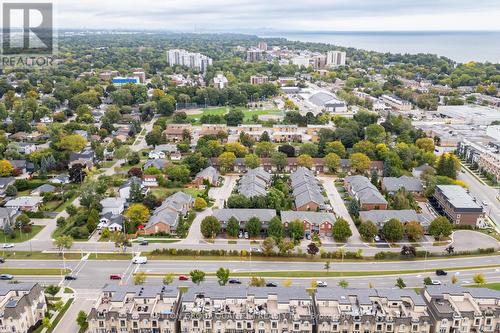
<point x="161" y="182"/>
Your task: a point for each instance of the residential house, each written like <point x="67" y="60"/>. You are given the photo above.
<point x="457" y="205"/>
<point x="165" y="218"/>
<point x="150" y="181"/>
<point x="85" y="158"/>
<point x="25" y="203"/>
<point x="158" y="164"/>
<point x="243" y="215"/>
<point x="42" y="189"/>
<point x="23" y="167"/>
<point x="113" y="205"/>
<point x="418" y="171"/>
<point x="168" y="148"/>
<point x="380" y="217"/>
<point x="177" y="132"/>
<point x="367" y="195"/>
<point x="112" y="222"/>
<point x="306" y="191"/>
<point x="154" y="154"/>
<point x="124" y="190"/>
<point x="376" y="167"/>
<point x="286" y="133"/>
<point x="22" y="307"/>
<point x="209" y="174"/>
<point x="213" y="129"/>
<point x="8" y="217"/>
<point x="412" y="185"/>
<point x="254" y="183"/>
<point x="4" y="183"/>
<point x="314" y="222"/>
<point x="60" y="179"/>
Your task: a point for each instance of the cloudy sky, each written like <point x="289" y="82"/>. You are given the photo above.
<point x="280" y="15"/>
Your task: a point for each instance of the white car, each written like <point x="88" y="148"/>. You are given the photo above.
<point x="321" y="284"/>
<point x="8" y="246"/>
<point x="485" y="203"/>
<point x="139" y="260"/>
<point x="435" y="282"/>
<point x="377" y="238"/>
<point x="246" y="235"/>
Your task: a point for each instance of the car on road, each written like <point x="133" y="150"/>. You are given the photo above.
<point x="485" y="203"/>
<point x="183" y="278"/>
<point x="234" y="281"/>
<point x="435" y="282"/>
<point x="321" y="284"/>
<point x="271" y="284"/>
<point x="115" y="277"/>
<point x="139" y="260"/>
<point x="440" y="272"/>
<point x="144" y="243"/>
<point x="2" y="260"/>
<point x="8" y="246"/>
<point x="256" y="250"/>
<point x="6" y="277"/>
<point x="70" y="277"/>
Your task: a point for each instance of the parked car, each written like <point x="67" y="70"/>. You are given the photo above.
<point x="183" y="278"/>
<point x="70" y="277"/>
<point x="234" y="281"/>
<point x="377" y="238"/>
<point x="6" y="277"/>
<point x="271" y="284"/>
<point x="8" y="245"/>
<point x="246" y="235"/>
<point x="440" y="272"/>
<point x="321" y="284"/>
<point x="115" y="277"/>
<point x="240" y="235"/>
<point x="435" y="282"/>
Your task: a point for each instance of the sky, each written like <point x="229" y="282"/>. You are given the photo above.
<point x="279" y="15"/>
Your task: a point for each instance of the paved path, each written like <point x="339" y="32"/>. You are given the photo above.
<point x="340" y="210"/>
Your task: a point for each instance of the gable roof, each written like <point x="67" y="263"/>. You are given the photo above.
<point x="244" y="214"/>
<point x="311" y="217"/>
<point x="411" y="184"/>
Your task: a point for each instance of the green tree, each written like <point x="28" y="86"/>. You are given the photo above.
<point x="257" y="282"/>
<point x="253" y="227"/>
<point x="197" y="276"/>
<point x="46" y="323"/>
<point x="72" y="143"/>
<point x="252" y="161"/>
<point x="137" y="214"/>
<point x="375" y="133"/>
<point x="63" y="242"/>
<point x="264" y="149"/>
<point x="400" y="283"/>
<point x="368" y="230"/>
<point x="393" y="230"/>
<point x="81" y="320"/>
<point x="234" y="117"/>
<point x="222" y="276"/>
<point x="139" y="278"/>
<point x="309" y="148"/>
<point x="359" y="162"/>
<point x="168" y="279"/>
<point x="210" y="227"/>
<point x="426" y="144"/>
<point x="335" y="147"/>
<point x="296" y="230"/>
<point x="414" y="230"/>
<point x="233" y="227"/>
<point x="440" y="227"/>
<point x="427" y="281"/>
<point x="200" y="204"/>
<point x="268" y="246"/>
<point x="479" y="279"/>
<point x="343" y="284"/>
<point x="279" y="160"/>
<point x="226" y="161"/>
<point x="275" y="229"/>
<point x="332" y="162"/>
<point x="341" y="230"/>
<point x="305" y="160"/>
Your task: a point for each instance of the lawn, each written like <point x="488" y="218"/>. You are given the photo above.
<point x="493" y="286"/>
<point x="162" y="192"/>
<point x="248" y="113"/>
<point x="60" y="315"/>
<point x="35" y="229"/>
<point x="33" y="271"/>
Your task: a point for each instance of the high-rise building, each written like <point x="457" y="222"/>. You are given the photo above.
<point x="262" y="46"/>
<point x="254" y="55"/>
<point x="319" y="61"/>
<point x="335" y="58"/>
<point x="185" y="58"/>
<point x="220" y="81"/>
<point x="301" y="60"/>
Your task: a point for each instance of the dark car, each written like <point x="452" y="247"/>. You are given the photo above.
<point x="6" y="277"/>
<point x="70" y="277"/>
<point x="234" y="281"/>
<point x="144" y="242"/>
<point x="271" y="284"/>
<point x="2" y="260"/>
<point x="440" y="272"/>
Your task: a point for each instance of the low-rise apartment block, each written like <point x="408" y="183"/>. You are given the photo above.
<point x="457" y="205"/>
<point x="396" y="103"/>
<point x="486" y="157"/>
<point x="177" y="132"/>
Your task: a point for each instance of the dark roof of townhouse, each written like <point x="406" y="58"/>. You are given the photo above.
<point x="244" y="214"/>
<point x="119" y="292"/>
<point x="366" y="192"/>
<point x="411" y="184"/>
<point x="312" y="217"/>
<point x="380" y="217"/>
<point x="158" y="163"/>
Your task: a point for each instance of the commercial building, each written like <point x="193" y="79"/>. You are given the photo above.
<point x="469" y="114"/>
<point x="196" y="61"/>
<point x="456" y="204"/>
<point x="258" y="79"/>
<point x="22" y="307"/>
<point x="396" y="103"/>
<point x="301" y="61"/>
<point x="335" y="58"/>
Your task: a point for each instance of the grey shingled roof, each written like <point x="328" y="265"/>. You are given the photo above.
<point x="365" y="191"/>
<point x="305" y="188"/>
<point x="244" y="214"/>
<point x="411" y="184"/>
<point x="312" y="217"/>
<point x="254" y="183"/>
<point x="380" y="217"/>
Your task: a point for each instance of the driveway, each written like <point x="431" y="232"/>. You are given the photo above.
<point x="340" y="209"/>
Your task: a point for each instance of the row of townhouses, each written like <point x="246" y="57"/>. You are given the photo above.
<point x="242" y="309"/>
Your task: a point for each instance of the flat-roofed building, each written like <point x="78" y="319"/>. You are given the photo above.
<point x="396" y="103"/>
<point x="456" y="204"/>
<point x="176" y="132"/>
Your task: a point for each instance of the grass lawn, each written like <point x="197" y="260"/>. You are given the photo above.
<point x="248" y="113"/>
<point x="20" y="255"/>
<point x="160" y="241"/>
<point x="60" y="315"/>
<point x="33" y="271"/>
<point x="110" y="256"/>
<point x="35" y="229"/>
<point x="493" y="286"/>
<point x="162" y="192"/>
<point x="51" y="205"/>
<point x="65" y="204"/>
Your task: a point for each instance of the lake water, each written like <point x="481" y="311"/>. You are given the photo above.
<point x="461" y="46"/>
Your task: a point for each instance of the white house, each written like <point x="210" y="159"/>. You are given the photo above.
<point x="25" y="203"/>
<point x="156" y="155"/>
